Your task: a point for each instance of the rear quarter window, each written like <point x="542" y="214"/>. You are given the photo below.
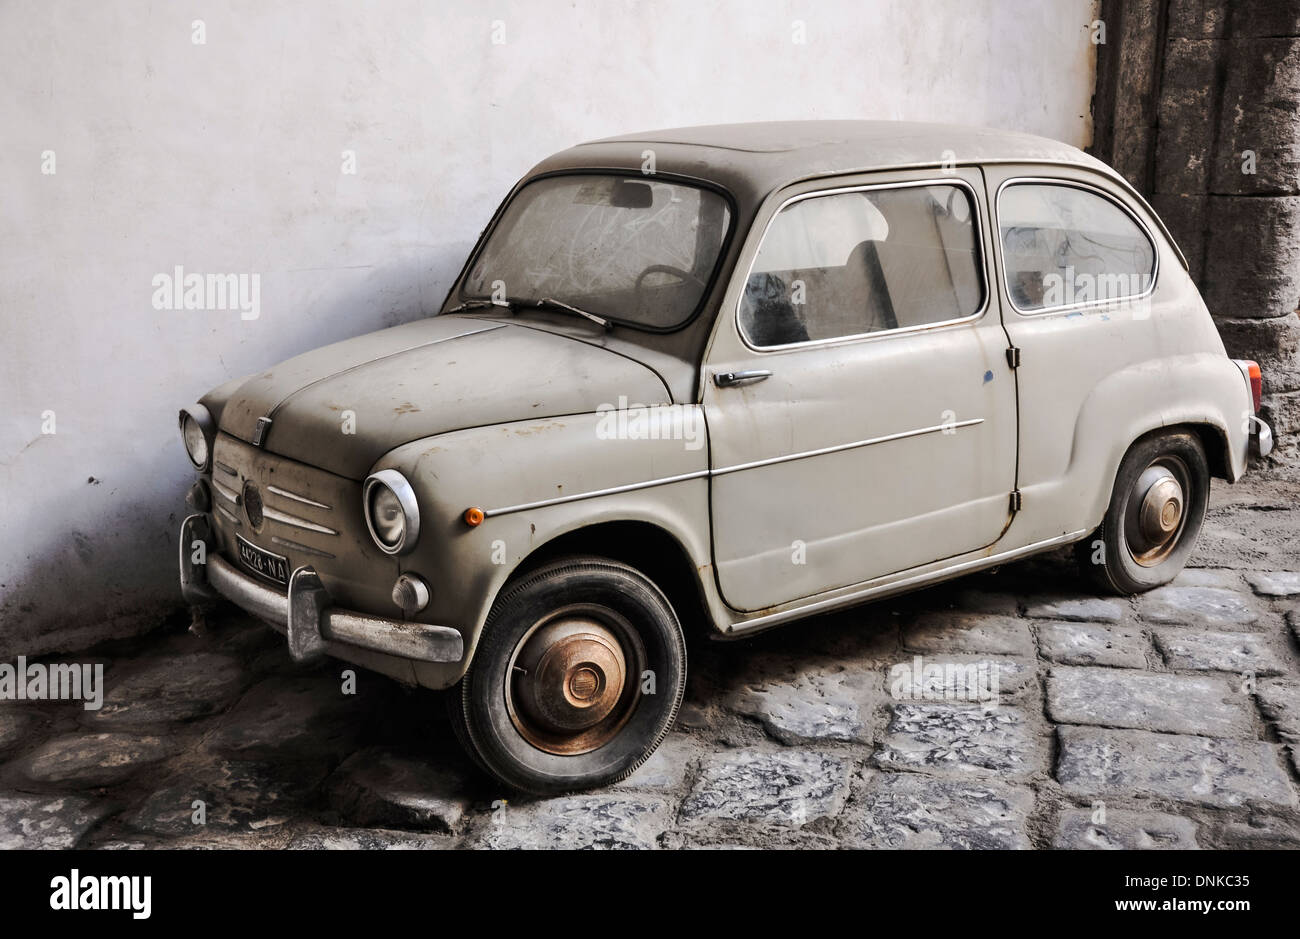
<point x="1066" y="246"/>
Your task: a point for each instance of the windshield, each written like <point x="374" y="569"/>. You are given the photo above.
<point x="639" y="251"/>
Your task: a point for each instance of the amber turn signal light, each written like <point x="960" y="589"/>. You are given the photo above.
<point x="473" y="516"/>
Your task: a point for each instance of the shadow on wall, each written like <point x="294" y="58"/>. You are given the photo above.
<point x="87" y="585"/>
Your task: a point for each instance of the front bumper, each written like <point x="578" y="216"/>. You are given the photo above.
<point x="305" y="613"/>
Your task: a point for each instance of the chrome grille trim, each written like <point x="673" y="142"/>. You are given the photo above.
<point x="286" y="543"/>
<point x="297" y="498"/>
<point x="229" y="470"/>
<point x="234" y="519"/>
<point x="284" y="518"/>
<point x="226" y="493"/>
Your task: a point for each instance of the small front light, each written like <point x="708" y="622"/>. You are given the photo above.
<point x="392" y="515"/>
<point x="411" y="593"/>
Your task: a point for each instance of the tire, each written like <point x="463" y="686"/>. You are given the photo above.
<point x="556" y="699"/>
<point x="1142" y="542"/>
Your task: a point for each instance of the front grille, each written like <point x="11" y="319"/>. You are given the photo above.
<point x="304" y="513"/>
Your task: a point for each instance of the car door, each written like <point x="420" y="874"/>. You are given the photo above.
<point x="1077" y="271"/>
<point x="861" y="410"/>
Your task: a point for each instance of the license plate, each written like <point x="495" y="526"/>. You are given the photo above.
<point x="271" y="566"/>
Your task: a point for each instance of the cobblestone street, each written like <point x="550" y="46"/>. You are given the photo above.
<point x="1177" y="714"/>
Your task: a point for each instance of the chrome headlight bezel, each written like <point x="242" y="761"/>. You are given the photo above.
<point x="398" y="485"/>
<point x="207" y="428"/>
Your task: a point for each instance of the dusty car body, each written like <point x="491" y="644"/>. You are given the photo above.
<point x="729" y="376"/>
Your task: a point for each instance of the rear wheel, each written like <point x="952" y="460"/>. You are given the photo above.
<point x="576" y="679"/>
<point x="1155" y="513"/>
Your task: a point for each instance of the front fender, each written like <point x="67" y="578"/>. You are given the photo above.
<point x="535" y="481"/>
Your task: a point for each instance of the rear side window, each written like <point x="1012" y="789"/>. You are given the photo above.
<point x="864" y="261"/>
<point x="1064" y="246"/>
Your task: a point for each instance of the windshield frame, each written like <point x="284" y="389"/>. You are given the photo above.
<point x="458" y="295"/>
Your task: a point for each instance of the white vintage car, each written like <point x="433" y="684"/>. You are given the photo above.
<point x="725" y="377"/>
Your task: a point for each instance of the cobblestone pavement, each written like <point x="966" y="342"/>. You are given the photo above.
<point x="1177" y="714"/>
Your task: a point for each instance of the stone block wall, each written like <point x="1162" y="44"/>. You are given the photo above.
<point x="1198" y="105"/>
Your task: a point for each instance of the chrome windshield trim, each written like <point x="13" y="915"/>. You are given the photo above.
<point x="723" y="471"/>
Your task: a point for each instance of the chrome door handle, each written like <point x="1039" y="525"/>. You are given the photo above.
<point x="727" y="379"/>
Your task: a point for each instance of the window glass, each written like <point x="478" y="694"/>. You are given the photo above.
<point x="1064" y="246"/>
<point x="639" y="250"/>
<point x="865" y="261"/>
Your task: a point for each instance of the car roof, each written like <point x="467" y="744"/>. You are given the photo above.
<point x="751" y="160"/>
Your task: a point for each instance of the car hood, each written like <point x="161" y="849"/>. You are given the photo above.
<point x="427" y="377"/>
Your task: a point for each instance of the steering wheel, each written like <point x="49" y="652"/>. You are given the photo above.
<point x="677" y="272"/>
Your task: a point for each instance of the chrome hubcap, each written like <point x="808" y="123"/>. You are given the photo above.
<point x="1156" y="511"/>
<point x="569" y="690"/>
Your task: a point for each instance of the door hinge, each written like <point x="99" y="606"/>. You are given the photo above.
<point x="1013" y="357"/>
<point x="1015" y="500"/>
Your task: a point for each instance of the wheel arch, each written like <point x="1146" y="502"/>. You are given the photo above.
<point x="642" y="545"/>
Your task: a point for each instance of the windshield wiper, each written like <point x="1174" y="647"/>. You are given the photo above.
<point x="479" y="303"/>
<point x="548" y="303"/>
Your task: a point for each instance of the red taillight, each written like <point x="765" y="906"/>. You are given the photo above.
<point x="1256" y="382"/>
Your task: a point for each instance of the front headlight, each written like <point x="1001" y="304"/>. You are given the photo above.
<point x="392" y="514"/>
<point x="197" y="432"/>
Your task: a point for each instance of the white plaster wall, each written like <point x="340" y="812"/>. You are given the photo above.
<point x="226" y="157"/>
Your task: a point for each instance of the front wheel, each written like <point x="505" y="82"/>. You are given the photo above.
<point x="1155" y="513"/>
<point x="576" y="679"/>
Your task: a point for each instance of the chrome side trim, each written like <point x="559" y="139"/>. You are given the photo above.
<point x="305" y="549"/>
<point x="297" y="498"/>
<point x="723" y="471"/>
<point x="284" y="518"/>
<point x="869" y="592"/>
<point x="630" y="487"/>
<point x="846" y="446"/>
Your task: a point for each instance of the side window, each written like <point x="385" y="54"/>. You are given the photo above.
<point x="1063" y="246"/>
<point x="864" y="261"/>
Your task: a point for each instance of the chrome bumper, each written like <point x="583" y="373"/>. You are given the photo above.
<point x="305" y="614"/>
<point x="1261" y="437"/>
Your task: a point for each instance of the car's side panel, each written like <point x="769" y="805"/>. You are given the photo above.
<point x="1095" y="377"/>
